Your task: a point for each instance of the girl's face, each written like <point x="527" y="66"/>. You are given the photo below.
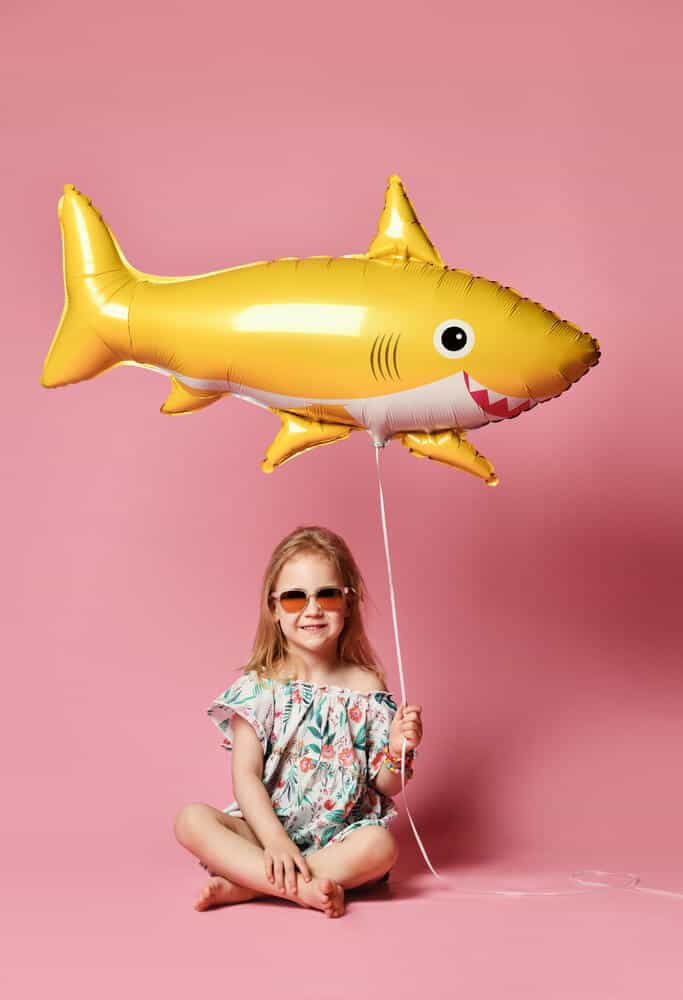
<point x="313" y="629"/>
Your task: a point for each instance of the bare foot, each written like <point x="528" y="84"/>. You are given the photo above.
<point x="322" y="894"/>
<point x="220" y="891"/>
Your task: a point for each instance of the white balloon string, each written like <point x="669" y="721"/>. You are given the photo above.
<point x="593" y="880"/>
<point x="394" y="616"/>
<point x="392" y="595"/>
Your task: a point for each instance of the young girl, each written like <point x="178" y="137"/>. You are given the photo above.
<point x="316" y="744"/>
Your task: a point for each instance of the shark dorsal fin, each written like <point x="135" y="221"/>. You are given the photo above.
<point x="399" y="233"/>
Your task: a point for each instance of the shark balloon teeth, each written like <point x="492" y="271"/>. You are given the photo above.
<point x="496" y="404"/>
<point x="374" y="341"/>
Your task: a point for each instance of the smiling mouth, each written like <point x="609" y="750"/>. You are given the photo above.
<point x="496" y="404"/>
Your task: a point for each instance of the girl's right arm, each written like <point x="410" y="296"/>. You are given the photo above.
<point x="280" y="853"/>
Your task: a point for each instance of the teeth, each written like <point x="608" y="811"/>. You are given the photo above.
<point x="489" y="397"/>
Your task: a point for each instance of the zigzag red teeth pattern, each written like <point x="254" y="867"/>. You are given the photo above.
<point x="495" y="403"/>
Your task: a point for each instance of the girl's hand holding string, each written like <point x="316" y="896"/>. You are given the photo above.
<point x="282" y="858"/>
<point x="407" y="724"/>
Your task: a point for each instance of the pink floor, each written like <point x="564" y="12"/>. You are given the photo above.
<point x="126" y="928"/>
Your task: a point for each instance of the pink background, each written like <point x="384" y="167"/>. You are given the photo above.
<point x="540" y="622"/>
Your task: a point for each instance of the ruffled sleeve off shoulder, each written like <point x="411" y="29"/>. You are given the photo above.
<point x="250" y="697"/>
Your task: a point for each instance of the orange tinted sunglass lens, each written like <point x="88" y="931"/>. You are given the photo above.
<point x="330" y="598"/>
<point x="293" y="600"/>
<point x="327" y="598"/>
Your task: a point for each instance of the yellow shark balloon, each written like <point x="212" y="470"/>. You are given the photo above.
<point x="390" y="341"/>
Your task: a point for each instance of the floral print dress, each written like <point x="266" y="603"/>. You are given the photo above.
<point x="322" y="749"/>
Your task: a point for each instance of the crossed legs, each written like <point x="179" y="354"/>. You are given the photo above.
<point x="229" y="848"/>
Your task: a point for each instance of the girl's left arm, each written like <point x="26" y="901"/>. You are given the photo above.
<point x="388" y="783"/>
<point x="407" y="724"/>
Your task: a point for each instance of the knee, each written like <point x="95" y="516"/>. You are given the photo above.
<point x="188" y="821"/>
<point x="382" y="845"/>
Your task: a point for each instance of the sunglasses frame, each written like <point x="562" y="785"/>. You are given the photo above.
<point x="313" y="593"/>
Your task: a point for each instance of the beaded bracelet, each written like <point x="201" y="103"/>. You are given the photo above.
<point x="410" y="754"/>
<point x="390" y="761"/>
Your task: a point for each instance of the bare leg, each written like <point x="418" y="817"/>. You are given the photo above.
<point x="231" y="855"/>
<point x="361" y="858"/>
<point x="221" y="891"/>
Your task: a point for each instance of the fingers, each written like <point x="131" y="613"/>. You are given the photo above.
<point x="411" y="721"/>
<point x="281" y="871"/>
<point x="410" y="744"/>
<point x="268" y="858"/>
<point x="303" y="868"/>
<point x="405" y="726"/>
<point x="411" y="711"/>
<point x="411" y="733"/>
<point x="290" y="876"/>
<point x="407" y="713"/>
<point x="410" y="725"/>
<point x="408" y="722"/>
<point x="411" y="740"/>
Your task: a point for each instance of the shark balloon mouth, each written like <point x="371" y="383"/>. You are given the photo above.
<point x="496" y="404"/>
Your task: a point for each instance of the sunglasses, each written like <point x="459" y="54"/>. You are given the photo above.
<point x="327" y="598"/>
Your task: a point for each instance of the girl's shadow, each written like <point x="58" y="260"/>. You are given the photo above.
<point x="456" y="829"/>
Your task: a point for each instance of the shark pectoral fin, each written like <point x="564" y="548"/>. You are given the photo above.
<point x="399" y="233"/>
<point x="299" y="434"/>
<point x="182" y="399"/>
<point x="451" y="448"/>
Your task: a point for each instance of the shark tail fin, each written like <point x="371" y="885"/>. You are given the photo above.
<point x="92" y="335"/>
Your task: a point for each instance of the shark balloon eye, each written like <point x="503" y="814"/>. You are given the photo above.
<point x="454" y="338"/>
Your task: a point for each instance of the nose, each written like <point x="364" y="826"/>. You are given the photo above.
<point x="316" y="607"/>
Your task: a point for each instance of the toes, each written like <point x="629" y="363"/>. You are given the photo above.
<point x="331" y="897"/>
<point x="206" y="895"/>
<point x="334" y="905"/>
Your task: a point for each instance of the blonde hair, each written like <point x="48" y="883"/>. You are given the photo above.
<point x="353" y="646"/>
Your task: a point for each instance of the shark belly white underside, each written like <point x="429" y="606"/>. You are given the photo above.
<point x="446" y="403"/>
